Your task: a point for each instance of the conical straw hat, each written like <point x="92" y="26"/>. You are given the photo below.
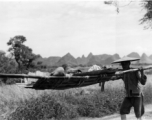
<point x="126" y="59"/>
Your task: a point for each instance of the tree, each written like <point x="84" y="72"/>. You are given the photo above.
<point x="7" y="65"/>
<point x="146" y="4"/>
<point x="147" y="18"/>
<point x="22" y="54"/>
<point x="118" y="3"/>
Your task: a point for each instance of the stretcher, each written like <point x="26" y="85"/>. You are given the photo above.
<point x="70" y="81"/>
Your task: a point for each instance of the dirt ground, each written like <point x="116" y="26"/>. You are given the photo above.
<point x="131" y="116"/>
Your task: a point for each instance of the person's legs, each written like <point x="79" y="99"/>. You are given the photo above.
<point x="125" y="108"/>
<point x="139" y="107"/>
<point x="123" y="117"/>
<point x="142" y="106"/>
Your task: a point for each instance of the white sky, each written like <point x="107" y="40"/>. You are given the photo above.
<point x="54" y="28"/>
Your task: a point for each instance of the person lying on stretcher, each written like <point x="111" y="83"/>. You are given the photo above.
<point x="64" y="70"/>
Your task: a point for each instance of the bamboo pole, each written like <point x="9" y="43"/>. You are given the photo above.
<point x="2" y="75"/>
<point x="131" y="70"/>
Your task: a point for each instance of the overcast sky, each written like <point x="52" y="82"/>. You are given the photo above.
<point x="54" y="28"/>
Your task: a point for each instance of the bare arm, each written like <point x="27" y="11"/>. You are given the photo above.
<point x="141" y="76"/>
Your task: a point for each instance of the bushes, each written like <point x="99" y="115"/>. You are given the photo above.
<point x="148" y="93"/>
<point x="67" y="106"/>
<point x="98" y="105"/>
<point x="44" y="107"/>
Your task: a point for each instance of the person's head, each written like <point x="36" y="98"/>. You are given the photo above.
<point x="65" y="66"/>
<point x="125" y="65"/>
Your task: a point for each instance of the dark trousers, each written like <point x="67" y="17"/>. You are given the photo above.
<point x="136" y="102"/>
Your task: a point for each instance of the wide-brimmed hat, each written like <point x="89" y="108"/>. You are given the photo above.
<point x="124" y="59"/>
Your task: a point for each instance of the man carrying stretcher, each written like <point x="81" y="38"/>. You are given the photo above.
<point x="134" y="95"/>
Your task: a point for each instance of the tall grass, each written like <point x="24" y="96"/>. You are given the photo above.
<point x="147" y="90"/>
<point x="11" y="96"/>
<point x="25" y="104"/>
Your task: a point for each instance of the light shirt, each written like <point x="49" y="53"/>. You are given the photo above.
<point x="58" y="72"/>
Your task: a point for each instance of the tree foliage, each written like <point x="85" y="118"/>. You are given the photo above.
<point x="117" y="4"/>
<point x="7" y="65"/>
<point x="22" y="53"/>
<point x="147" y="18"/>
<point x="146" y="4"/>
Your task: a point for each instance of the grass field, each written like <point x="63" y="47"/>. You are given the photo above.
<point x="17" y="103"/>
